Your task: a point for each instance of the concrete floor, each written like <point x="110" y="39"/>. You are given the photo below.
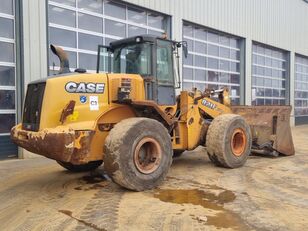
<point x="265" y="194"/>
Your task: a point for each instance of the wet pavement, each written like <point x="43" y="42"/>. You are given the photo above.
<point x="265" y="194"/>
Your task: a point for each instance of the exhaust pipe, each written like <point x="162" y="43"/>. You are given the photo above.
<point x="62" y="55"/>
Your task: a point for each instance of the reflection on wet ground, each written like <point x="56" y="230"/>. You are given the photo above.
<point x="212" y="199"/>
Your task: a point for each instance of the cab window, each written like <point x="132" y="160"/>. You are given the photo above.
<point x="164" y="63"/>
<point x="133" y="59"/>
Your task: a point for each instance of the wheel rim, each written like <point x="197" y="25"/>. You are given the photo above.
<point x="238" y="142"/>
<point x="147" y="155"/>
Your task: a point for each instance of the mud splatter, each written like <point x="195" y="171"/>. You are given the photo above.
<point x="93" y="179"/>
<point x="92" y="182"/>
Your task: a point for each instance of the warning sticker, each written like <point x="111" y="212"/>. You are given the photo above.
<point x="94" y="103"/>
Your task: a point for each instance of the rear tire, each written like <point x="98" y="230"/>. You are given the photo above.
<point x="138" y="153"/>
<point x="80" y="168"/>
<point x="228" y="141"/>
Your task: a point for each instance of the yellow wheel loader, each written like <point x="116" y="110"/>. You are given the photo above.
<point x="132" y="120"/>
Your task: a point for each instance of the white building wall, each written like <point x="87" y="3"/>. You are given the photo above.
<point x="280" y="23"/>
<point x="34" y="40"/>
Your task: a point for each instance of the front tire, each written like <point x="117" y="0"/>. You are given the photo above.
<point x="228" y="141"/>
<point x="82" y="167"/>
<point x="138" y="153"/>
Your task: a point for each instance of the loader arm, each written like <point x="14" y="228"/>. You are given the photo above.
<point x="212" y="107"/>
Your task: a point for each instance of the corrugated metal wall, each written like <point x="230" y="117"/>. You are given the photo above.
<point x="280" y="23"/>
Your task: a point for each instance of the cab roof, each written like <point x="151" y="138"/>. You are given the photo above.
<point x="144" y="38"/>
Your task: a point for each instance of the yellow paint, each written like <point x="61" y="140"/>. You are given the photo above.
<point x="187" y="129"/>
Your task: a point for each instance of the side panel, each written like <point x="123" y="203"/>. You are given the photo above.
<point x="90" y="100"/>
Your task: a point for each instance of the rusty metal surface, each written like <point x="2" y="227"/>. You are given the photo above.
<point x="269" y="124"/>
<point x="68" y="110"/>
<point x="62" y="143"/>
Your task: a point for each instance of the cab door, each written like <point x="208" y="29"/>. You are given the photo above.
<point x="165" y="73"/>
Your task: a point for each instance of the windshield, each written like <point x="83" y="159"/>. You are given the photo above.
<point x="133" y="59"/>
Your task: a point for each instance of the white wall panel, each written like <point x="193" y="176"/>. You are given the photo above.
<point x="280" y="23"/>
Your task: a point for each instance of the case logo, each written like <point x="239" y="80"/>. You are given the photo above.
<point x="208" y="104"/>
<point x="72" y="87"/>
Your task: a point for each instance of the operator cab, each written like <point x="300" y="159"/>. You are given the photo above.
<point x="147" y="55"/>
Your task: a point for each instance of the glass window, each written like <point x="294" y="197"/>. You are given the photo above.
<point x="266" y="73"/>
<point x="187" y="85"/>
<point x="115" y="10"/>
<point x="200" y="61"/>
<point x="301" y="86"/>
<point x="7" y="121"/>
<point x="100" y="22"/>
<point x="89" y="42"/>
<point x="7" y="7"/>
<point x="200" y="47"/>
<point x="134" y="59"/>
<point x="220" y="58"/>
<point x="213" y="37"/>
<point x="7" y="52"/>
<point x="154" y="32"/>
<point x="200" y="33"/>
<point x="135" y="30"/>
<point x="91" y="5"/>
<point x="164" y="63"/>
<point x="200" y="75"/>
<point x="62" y="16"/>
<point x="87" y="61"/>
<point x="136" y="15"/>
<point x="6" y="28"/>
<point x="7" y="99"/>
<point x="62" y="37"/>
<point x="115" y="28"/>
<point x="90" y="23"/>
<point x="7" y="76"/>
<point x="188" y="73"/>
<point x="213" y="63"/>
<point x="224" y="52"/>
<point x="213" y="50"/>
<point x="156" y="21"/>
<point x="66" y="2"/>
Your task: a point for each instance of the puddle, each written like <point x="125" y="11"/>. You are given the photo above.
<point x="213" y="199"/>
<point x="208" y="200"/>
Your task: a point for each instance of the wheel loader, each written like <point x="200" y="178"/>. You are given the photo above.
<point x="131" y="119"/>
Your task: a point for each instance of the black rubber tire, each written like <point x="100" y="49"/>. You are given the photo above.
<point x="218" y="141"/>
<point x="177" y="153"/>
<point x="82" y="167"/>
<point x="119" y="153"/>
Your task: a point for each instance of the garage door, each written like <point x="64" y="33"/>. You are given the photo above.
<point x="7" y="78"/>
<point x="80" y="26"/>
<point x="301" y="90"/>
